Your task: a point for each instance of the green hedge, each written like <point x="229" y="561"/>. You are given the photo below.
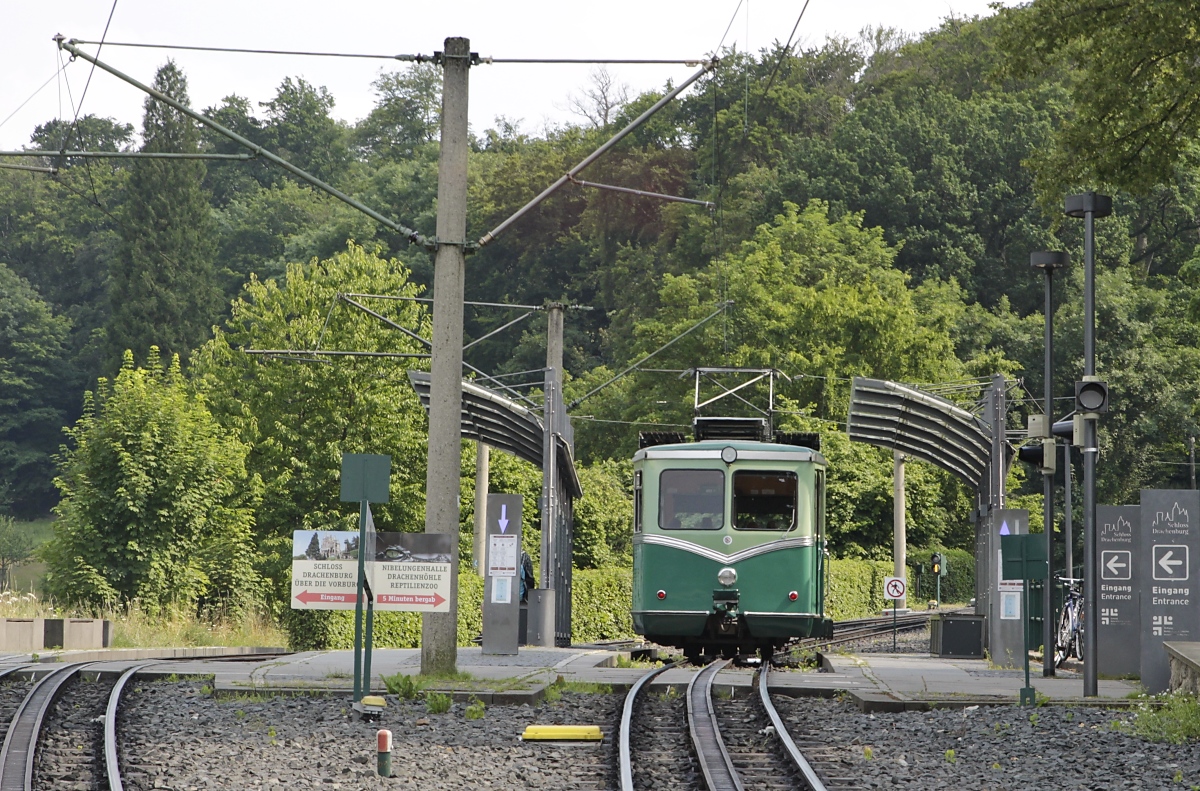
<point x="601" y="604"/>
<point x="320" y="630"/>
<point x="856" y="588"/>
<point x="601" y="607"/>
<point x="958" y="586"/>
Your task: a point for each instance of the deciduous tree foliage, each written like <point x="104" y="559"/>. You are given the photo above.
<point x="32" y="353"/>
<point x="1134" y="86"/>
<point x="157" y="504"/>
<point x="16" y="547"/>
<point x="300" y="413"/>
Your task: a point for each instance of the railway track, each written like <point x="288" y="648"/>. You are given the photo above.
<point x="849" y="631"/>
<point x="54" y="747"/>
<point x="706" y="740"/>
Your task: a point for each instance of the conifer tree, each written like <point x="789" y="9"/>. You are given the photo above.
<point x="164" y="291"/>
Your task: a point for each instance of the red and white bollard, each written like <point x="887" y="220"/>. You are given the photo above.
<point x="383" y="741"/>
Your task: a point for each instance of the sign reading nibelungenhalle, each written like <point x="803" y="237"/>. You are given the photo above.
<point x="407" y="572"/>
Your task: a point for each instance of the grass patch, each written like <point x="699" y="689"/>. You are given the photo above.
<point x="1176" y="721"/>
<point x="475" y="709"/>
<point x="555" y="691"/>
<point x="175" y="627"/>
<point x="437" y="703"/>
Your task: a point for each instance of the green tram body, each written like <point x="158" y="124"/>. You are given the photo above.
<point x="763" y="516"/>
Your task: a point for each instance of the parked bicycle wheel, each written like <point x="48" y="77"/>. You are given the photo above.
<point x="1063" y="640"/>
<point x="1077" y="638"/>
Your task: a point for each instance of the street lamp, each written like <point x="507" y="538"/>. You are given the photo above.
<point x="1089" y="206"/>
<point x="1047" y="262"/>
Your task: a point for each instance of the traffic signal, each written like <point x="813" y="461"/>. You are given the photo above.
<point x="1040" y="454"/>
<point x="935" y="564"/>
<point x="1091" y="396"/>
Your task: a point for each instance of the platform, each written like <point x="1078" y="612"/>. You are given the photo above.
<point x="876" y="682"/>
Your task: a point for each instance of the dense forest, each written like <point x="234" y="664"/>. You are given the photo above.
<point x="875" y="204"/>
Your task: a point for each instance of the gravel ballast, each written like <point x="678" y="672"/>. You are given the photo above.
<point x="995" y="748"/>
<point x="176" y="735"/>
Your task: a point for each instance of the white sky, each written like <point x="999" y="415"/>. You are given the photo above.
<point x="534" y="94"/>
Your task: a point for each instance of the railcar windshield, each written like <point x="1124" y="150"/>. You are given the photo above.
<point x="764" y="500"/>
<point x="691" y="499"/>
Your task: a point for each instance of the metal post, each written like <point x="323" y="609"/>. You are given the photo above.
<point x="1048" y="502"/>
<point x="998" y="468"/>
<point x="554" y="362"/>
<point x="358" y="600"/>
<point x="439" y="631"/>
<point x="1192" y="458"/>
<point x="899" y="536"/>
<point x="1048" y="262"/>
<point x="482" y="457"/>
<point x="1088" y="206"/>
<point x="1090" y="599"/>
<point x="1068" y="511"/>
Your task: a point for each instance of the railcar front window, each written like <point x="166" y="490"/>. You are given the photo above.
<point x="764" y="501"/>
<point x="691" y="499"/>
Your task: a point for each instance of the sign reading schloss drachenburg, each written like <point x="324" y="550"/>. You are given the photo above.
<point x="407" y="572"/>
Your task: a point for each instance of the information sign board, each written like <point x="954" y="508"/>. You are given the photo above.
<point x="501" y="585"/>
<point x="324" y="569"/>
<point x="410" y="572"/>
<point x="1118" y="630"/>
<point x="407" y="572"/>
<point x="1169" y="554"/>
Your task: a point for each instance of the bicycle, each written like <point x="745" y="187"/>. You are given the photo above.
<point x="1069" y="639"/>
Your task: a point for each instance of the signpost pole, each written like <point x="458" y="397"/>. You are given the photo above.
<point x="369" y="640"/>
<point x="894" y="590"/>
<point x="1028" y="696"/>
<point x="358" y="600"/>
<point x="895" y="602"/>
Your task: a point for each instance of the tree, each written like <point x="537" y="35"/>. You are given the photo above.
<point x="164" y="292"/>
<point x="32" y="352"/>
<point x="1134" y="86"/>
<point x="602" y="100"/>
<point x="300" y="129"/>
<point x="406" y="116"/>
<point x="301" y="413"/>
<point x="16" y="547"/>
<point x="604" y="515"/>
<point x="157" y="503"/>
<point x="314" y="548"/>
<point x="87" y="133"/>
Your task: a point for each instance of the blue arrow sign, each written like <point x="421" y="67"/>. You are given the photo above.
<point x="503" y="520"/>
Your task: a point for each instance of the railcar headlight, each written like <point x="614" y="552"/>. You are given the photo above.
<point x="727" y="576"/>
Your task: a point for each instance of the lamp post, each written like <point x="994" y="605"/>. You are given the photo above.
<point x="1089" y="206"/>
<point x="1047" y="262"/>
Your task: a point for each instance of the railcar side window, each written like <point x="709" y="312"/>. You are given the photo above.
<point x="691" y="499"/>
<point x="637" y="501"/>
<point x="764" y="500"/>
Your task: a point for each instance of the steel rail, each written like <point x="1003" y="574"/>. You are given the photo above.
<point x="789" y="745"/>
<point x="20" y="744"/>
<point x="625" y="753"/>
<point x="711" y="753"/>
<point x="112" y="765"/>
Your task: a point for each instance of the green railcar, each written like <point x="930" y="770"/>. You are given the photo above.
<point x="729" y="545"/>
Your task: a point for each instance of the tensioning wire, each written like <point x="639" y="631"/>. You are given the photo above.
<point x="35" y="93"/>
<point x="417" y="58"/>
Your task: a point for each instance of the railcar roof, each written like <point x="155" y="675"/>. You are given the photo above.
<point x="748" y="450"/>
